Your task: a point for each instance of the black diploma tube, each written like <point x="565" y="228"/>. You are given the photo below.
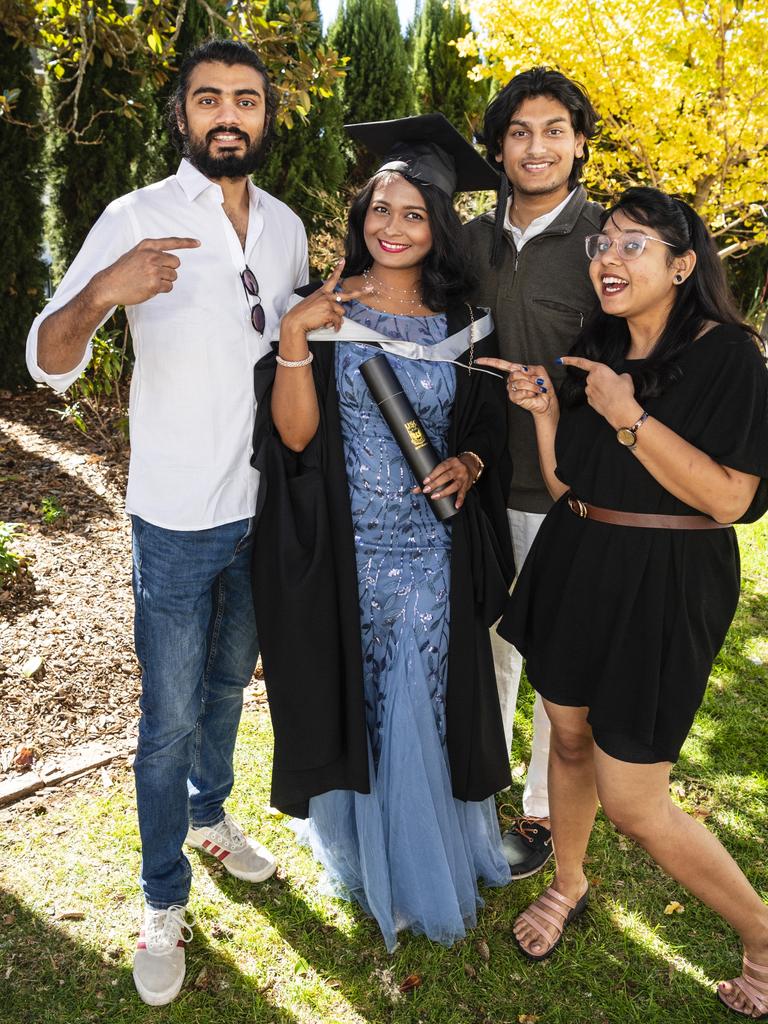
<point x="406" y="427"/>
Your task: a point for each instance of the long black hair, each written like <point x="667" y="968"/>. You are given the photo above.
<point x="219" y="51"/>
<point x="703" y="296"/>
<point x="446" y="277"/>
<point x="537" y="81"/>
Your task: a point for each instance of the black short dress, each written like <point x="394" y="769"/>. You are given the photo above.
<point x="627" y="620"/>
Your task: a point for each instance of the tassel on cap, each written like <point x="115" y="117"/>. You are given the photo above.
<point x="501" y="213"/>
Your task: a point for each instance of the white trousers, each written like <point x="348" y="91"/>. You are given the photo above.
<point x="508" y="663"/>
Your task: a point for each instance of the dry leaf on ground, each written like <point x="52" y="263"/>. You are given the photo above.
<point x="410" y="983"/>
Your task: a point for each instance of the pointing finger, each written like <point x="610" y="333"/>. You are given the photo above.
<point x="501" y="364"/>
<point x="582" y="364"/>
<point x="333" y="280"/>
<point x="345" y="296"/>
<point x="166" y="244"/>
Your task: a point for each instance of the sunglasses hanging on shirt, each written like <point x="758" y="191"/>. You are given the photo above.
<point x="251" y="285"/>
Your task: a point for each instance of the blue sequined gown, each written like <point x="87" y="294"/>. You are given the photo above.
<point x="409" y="852"/>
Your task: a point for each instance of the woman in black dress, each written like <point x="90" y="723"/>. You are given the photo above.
<point x="658" y="441"/>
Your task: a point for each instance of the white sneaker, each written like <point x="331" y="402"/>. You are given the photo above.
<point x="158" y="965"/>
<point x="242" y="857"/>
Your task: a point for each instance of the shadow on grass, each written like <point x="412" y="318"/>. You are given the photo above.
<point x="731" y="730"/>
<point x="47" y="977"/>
<point x="598" y="976"/>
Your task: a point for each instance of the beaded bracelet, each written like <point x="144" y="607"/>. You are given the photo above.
<point x="290" y="363"/>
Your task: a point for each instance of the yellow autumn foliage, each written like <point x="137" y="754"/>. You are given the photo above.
<point x="681" y="85"/>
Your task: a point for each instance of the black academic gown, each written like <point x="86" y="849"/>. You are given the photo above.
<point x="306" y="596"/>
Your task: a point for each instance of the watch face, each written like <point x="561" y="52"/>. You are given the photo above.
<point x="626" y="436"/>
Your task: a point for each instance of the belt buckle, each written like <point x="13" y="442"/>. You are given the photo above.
<point x="578" y="507"/>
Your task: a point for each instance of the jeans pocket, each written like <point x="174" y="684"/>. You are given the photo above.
<point x="246" y="538"/>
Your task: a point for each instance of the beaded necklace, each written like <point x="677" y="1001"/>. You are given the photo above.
<point x="409" y="297"/>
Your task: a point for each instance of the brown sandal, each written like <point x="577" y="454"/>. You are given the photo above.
<point x="750" y="986"/>
<point x="566" y="909"/>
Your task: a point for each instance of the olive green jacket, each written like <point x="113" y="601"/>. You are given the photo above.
<point x="539" y="298"/>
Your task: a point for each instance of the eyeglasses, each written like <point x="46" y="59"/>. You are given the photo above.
<point x="629" y="244"/>
<point x="251" y="285"/>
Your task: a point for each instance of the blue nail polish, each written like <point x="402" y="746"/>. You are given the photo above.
<point x="539" y="380"/>
<point x="525" y="368"/>
<point x="544" y="390"/>
<point x="558" y="361"/>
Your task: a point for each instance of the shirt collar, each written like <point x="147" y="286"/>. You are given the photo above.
<point x="538" y="224"/>
<point x="194" y="183"/>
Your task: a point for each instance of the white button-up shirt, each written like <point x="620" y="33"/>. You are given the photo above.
<point x="191" y="401"/>
<point x="537" y="225"/>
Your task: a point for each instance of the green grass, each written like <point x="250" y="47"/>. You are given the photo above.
<point x="282" y="953"/>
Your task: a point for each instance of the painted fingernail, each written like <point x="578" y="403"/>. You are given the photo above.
<point x="558" y="361"/>
<point x="525" y="368"/>
<point x="539" y="380"/>
<point x="544" y="390"/>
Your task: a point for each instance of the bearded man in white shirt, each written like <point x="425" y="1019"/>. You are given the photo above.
<point x="204" y="263"/>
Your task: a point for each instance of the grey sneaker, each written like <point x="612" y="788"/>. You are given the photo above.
<point x="242" y="857"/>
<point x="158" y="965"/>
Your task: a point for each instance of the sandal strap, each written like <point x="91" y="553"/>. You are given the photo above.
<point x="755" y="967"/>
<point x="535" y="922"/>
<point x="756" y="996"/>
<point x="552" y="892"/>
<point x="538" y="911"/>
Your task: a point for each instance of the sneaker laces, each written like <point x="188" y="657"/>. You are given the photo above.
<point x="227" y="833"/>
<point x="164" y="928"/>
<point x="528" y="827"/>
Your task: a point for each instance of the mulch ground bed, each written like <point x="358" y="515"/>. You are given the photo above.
<point x="71" y="606"/>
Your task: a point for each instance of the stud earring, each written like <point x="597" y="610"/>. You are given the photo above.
<point x="678" y="278"/>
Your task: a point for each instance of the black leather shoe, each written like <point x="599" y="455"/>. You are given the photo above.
<point x="527" y="847"/>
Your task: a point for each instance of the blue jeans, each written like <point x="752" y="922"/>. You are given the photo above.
<point x="195" y="635"/>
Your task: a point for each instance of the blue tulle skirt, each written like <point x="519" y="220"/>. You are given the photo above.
<point x="409" y="853"/>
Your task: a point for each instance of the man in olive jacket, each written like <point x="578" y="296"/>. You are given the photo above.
<point x="533" y="273"/>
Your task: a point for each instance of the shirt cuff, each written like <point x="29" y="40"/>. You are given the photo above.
<point x="58" y="381"/>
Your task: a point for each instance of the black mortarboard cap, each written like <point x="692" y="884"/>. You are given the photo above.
<point x="429" y="149"/>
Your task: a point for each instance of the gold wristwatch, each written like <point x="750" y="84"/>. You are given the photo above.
<point x="628" y="435"/>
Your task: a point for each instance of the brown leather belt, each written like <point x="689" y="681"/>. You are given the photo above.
<point x="616" y="518"/>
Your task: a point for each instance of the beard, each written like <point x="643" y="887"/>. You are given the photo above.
<point x="225" y="165"/>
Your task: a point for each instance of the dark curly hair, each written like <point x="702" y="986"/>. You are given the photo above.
<point x="446" y="277"/>
<point x="219" y="51"/>
<point x="703" y="296"/>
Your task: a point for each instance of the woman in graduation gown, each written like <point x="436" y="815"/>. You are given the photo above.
<point x="658" y="441"/>
<point x="372" y="614"/>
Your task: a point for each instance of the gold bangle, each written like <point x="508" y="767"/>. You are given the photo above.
<point x="480" y="464"/>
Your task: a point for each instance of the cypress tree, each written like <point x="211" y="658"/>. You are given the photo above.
<point x="377" y="86"/>
<point x="439" y="73"/>
<point x="86" y="172"/>
<point x="22" y="273"/>
<point x="307" y="159"/>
